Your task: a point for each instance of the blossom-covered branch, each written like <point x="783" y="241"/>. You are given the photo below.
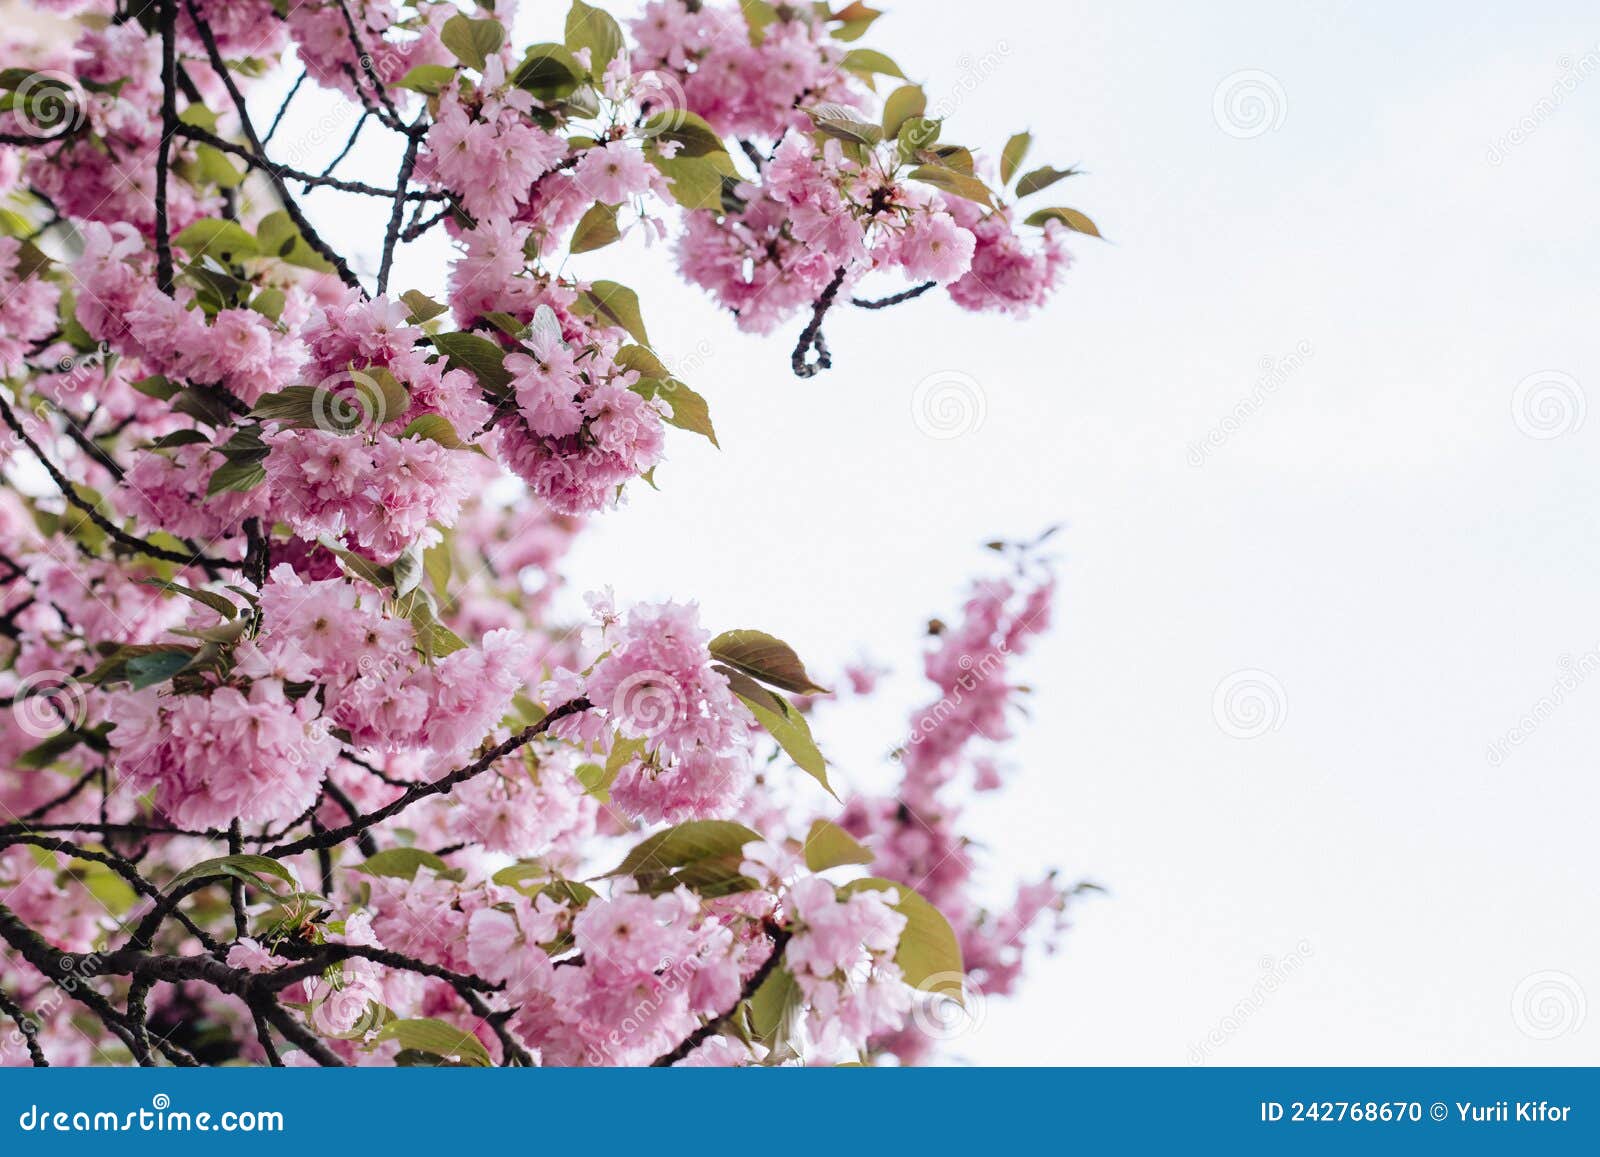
<point x="306" y="760"/>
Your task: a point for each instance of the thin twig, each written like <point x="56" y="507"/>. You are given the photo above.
<point x="440" y="786"/>
<point x="780" y="941"/>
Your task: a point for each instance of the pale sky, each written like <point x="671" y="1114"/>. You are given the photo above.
<point x="1403" y="229"/>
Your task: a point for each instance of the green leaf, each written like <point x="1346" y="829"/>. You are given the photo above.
<point x="437" y="1038"/>
<point x="951" y="181"/>
<point x="763" y="657"/>
<point x="784" y="723"/>
<point x="198" y="116"/>
<point x="223" y="606"/>
<point x="1011" y="156"/>
<point x="916" y="134"/>
<point x="423" y="308"/>
<point x="42" y="755"/>
<point x="642" y="361"/>
<point x="534" y="878"/>
<point x="434" y="428"/>
<point x="695" y="137"/>
<point x="867" y="62"/>
<point x="548" y="71"/>
<point x="105" y="885"/>
<point x="278" y="236"/>
<point x="269" y="302"/>
<point x="855" y="18"/>
<point x="251" y="869"/>
<point x="841" y="123"/>
<point x="703" y="855"/>
<point x="434" y="639"/>
<point x="156" y="386"/>
<point x="407" y="568"/>
<point x="227" y="241"/>
<point x="616" y="304"/>
<point x="1071" y="218"/>
<point x="696" y="182"/>
<point x="1042" y="178"/>
<point x="903" y="103"/>
<point x="483" y="357"/>
<point x="828" y="846"/>
<point x="928" y="945"/>
<point x="437" y="562"/>
<point x="429" y="79"/>
<point x="235" y="476"/>
<point x="472" y="41"/>
<point x="774" y="1009"/>
<point x="689" y="410"/>
<point x="30" y="259"/>
<point x="596" y="230"/>
<point x="596" y="30"/>
<point x="215" y="168"/>
<point x="157" y="667"/>
<point x="402" y="864"/>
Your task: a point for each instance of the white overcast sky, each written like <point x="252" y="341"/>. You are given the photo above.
<point x="1381" y="537"/>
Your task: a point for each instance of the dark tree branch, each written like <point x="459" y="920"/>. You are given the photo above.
<point x="164" y="905"/>
<point x="355" y="133"/>
<point x="780" y="941"/>
<point x="70" y="492"/>
<point x="27" y="1027"/>
<point x="364" y="840"/>
<point x="811" y="338"/>
<point x="290" y="173"/>
<point x="391" y="237"/>
<point x="421" y="791"/>
<point x="894" y="298"/>
<point x="169" y="122"/>
<point x="312" y="237"/>
<point x="283" y="108"/>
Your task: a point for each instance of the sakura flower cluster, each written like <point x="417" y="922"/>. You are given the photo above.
<point x="301" y="711"/>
